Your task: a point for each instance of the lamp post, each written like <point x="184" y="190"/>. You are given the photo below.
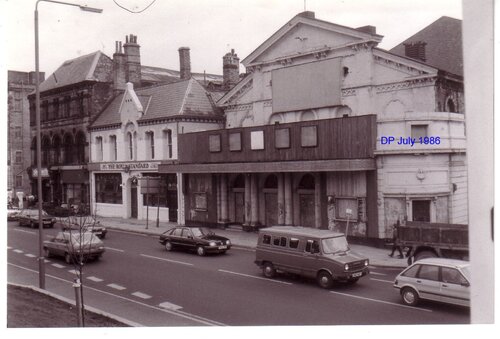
<point x="41" y="262"/>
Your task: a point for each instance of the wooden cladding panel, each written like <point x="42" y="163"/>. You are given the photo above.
<point x="341" y="138"/>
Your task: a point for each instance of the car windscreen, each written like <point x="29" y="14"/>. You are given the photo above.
<point x="199" y="232"/>
<point x="334" y="245"/>
<point x="84" y="239"/>
<point x="466" y="272"/>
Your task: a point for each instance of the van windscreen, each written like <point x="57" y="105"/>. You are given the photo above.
<point x="334" y="245"/>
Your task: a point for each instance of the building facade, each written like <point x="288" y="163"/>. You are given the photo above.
<point x="71" y="98"/>
<point x="20" y="85"/>
<point x="306" y="138"/>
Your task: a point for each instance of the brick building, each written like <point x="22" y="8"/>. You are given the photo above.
<point x="20" y="85"/>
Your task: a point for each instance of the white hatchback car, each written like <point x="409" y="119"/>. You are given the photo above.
<point x="437" y="279"/>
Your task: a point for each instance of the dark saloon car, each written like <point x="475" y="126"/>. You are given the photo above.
<point x="29" y="217"/>
<point x="92" y="227"/>
<point x="73" y="246"/>
<point x="199" y="239"/>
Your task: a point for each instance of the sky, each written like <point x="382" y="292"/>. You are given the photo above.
<point x="210" y="28"/>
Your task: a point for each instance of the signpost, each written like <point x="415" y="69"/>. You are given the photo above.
<point x="151" y="185"/>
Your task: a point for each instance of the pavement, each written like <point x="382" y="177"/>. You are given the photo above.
<point x="239" y="238"/>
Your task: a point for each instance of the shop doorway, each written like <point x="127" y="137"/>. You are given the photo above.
<point x="133" y="201"/>
<point x="271" y="200"/>
<point x="307" y="201"/>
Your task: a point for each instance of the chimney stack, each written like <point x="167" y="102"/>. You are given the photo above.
<point x="230" y="69"/>
<point x="133" y="60"/>
<point x="185" y="63"/>
<point x="119" y="68"/>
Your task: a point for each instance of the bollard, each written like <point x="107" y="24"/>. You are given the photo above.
<point x="78" y="301"/>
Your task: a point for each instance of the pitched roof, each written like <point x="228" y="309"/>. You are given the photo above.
<point x="77" y="70"/>
<point x="443" y="48"/>
<point x="182" y="98"/>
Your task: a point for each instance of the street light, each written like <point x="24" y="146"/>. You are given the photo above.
<point x="41" y="261"/>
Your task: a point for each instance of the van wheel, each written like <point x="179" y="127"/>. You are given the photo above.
<point x="268" y="270"/>
<point x="325" y="279"/>
<point x="425" y="254"/>
<point x="409" y="296"/>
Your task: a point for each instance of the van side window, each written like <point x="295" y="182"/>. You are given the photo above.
<point x="294" y="243"/>
<point x="283" y="241"/>
<point x="266" y="239"/>
<point x="312" y="246"/>
<point x="276" y="241"/>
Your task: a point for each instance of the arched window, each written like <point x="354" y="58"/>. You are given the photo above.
<point x="150" y="140"/>
<point x="68" y="149"/>
<point x="45" y="151"/>
<point x="307" y="116"/>
<point x="167" y="136"/>
<point x="56" y="150"/>
<point x="130" y="141"/>
<point x="80" y="147"/>
<point x="307" y="182"/>
<point x="33" y="152"/>
<point x="99" y="148"/>
<point x="450" y="105"/>
<point x="271" y="181"/>
<point x="113" y="150"/>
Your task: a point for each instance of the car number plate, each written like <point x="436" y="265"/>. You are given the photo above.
<point x="222" y="247"/>
<point x="358" y="274"/>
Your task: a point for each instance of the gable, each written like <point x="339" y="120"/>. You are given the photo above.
<point x="131" y="107"/>
<point x="304" y="38"/>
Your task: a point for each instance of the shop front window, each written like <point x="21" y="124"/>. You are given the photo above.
<point x="108" y="188"/>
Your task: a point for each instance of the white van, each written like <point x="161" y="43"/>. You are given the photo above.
<point x="320" y="254"/>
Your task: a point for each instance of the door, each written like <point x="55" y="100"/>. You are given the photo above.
<point x="271" y="201"/>
<point x="428" y="283"/>
<point x="133" y="201"/>
<point x="306" y="202"/>
<point x="239" y="207"/>
<point x="172" y="205"/>
<point x="454" y="287"/>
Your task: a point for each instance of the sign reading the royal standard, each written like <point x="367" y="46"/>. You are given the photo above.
<point x="129" y="166"/>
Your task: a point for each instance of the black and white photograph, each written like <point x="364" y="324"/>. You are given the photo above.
<point x="280" y="167"/>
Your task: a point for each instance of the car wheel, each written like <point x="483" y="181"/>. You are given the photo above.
<point x="46" y="252"/>
<point x="103" y="236"/>
<point x="325" y="279"/>
<point x="409" y="296"/>
<point x="67" y="258"/>
<point x="168" y="246"/>
<point x="425" y="254"/>
<point x="268" y="270"/>
<point x="200" y="250"/>
<point x="32" y="225"/>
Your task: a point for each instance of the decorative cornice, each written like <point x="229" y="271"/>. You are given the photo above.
<point x="413" y="83"/>
<point x="397" y="65"/>
<point x="349" y="92"/>
<point x="235" y="108"/>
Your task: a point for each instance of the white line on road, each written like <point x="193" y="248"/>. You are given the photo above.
<point x="9" y="248"/>
<point x="95" y="279"/>
<point x="24" y="231"/>
<point x="387" y="281"/>
<point x="73" y="271"/>
<point x="18" y="251"/>
<point x="58" y="266"/>
<point x="170" y="306"/>
<point x="181" y="314"/>
<point x="29" y="255"/>
<point x="117" y="287"/>
<point x="252" y="276"/>
<point x="114" y="249"/>
<point x="381" y="301"/>
<point x="141" y="295"/>
<point x="376" y="273"/>
<point x="169" y="260"/>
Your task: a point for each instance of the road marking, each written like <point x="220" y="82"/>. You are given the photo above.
<point x="29" y="255"/>
<point x="170" y="306"/>
<point x="129" y="232"/>
<point x="9" y="248"/>
<point x="252" y="276"/>
<point x="114" y="249"/>
<point x="181" y="314"/>
<point x="381" y="301"/>
<point x="24" y="231"/>
<point x="141" y="295"/>
<point x="388" y="281"/>
<point x="58" y="266"/>
<point x="18" y="251"/>
<point x="169" y="260"/>
<point x="376" y="273"/>
<point x="73" y="271"/>
<point x="95" y="279"/>
<point x="117" y="287"/>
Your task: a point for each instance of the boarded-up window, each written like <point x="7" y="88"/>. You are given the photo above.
<point x="418" y="131"/>
<point x="257" y="140"/>
<point x="309" y="136"/>
<point x="282" y="137"/>
<point x="307" y="86"/>
<point x="345" y="205"/>
<point x="235" y="141"/>
<point x="214" y="143"/>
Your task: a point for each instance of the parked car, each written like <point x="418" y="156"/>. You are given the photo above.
<point x="95" y="228"/>
<point x="199" y="239"/>
<point x="12" y="213"/>
<point x="74" y="245"/>
<point x="314" y="253"/>
<point x="29" y="217"/>
<point x="437" y="279"/>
